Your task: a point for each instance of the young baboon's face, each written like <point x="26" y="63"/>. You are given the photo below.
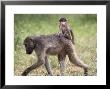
<point x="29" y="45"/>
<point x="63" y="26"/>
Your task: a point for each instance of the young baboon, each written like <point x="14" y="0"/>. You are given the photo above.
<point x="52" y="45"/>
<point x="65" y="29"/>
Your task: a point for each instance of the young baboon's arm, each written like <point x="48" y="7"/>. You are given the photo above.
<point x="72" y="35"/>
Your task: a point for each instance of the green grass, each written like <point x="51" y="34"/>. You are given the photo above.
<point x="85" y="31"/>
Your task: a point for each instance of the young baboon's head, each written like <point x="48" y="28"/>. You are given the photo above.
<point x="63" y="24"/>
<point x="29" y="45"/>
<point x="63" y="21"/>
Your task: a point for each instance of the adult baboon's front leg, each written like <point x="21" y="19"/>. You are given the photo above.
<point x="48" y="67"/>
<point x="41" y="60"/>
<point x="73" y="57"/>
<point x="61" y="59"/>
<point x="35" y="65"/>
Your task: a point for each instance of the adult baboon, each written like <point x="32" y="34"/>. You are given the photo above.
<point x="52" y="45"/>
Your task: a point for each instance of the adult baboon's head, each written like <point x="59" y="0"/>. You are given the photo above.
<point x="29" y="45"/>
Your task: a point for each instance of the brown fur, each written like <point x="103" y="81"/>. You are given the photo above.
<point x="52" y="45"/>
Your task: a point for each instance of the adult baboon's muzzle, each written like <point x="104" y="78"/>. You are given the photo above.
<point x="29" y="50"/>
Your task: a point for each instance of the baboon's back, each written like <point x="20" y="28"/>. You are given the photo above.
<point x="52" y="43"/>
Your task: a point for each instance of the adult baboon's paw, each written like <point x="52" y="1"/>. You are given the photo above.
<point x="24" y="73"/>
<point x="86" y="72"/>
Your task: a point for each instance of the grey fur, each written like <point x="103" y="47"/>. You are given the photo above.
<point x="55" y="44"/>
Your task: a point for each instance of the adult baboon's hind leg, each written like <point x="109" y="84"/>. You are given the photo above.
<point x="73" y="57"/>
<point x="61" y="59"/>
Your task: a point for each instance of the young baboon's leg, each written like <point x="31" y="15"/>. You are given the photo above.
<point x="48" y="67"/>
<point x="35" y="65"/>
<point x="61" y="59"/>
<point x="73" y="57"/>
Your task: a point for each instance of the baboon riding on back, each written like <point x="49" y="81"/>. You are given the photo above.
<point x="55" y="44"/>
